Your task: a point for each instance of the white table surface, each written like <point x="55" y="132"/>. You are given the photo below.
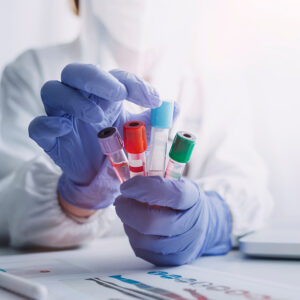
<point x="115" y="254"/>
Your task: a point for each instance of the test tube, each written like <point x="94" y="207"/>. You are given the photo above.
<point x="111" y="145"/>
<point x="135" y="143"/>
<point x="161" y="121"/>
<point x="180" y="153"/>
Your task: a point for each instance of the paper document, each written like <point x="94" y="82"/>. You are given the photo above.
<point x="67" y="281"/>
<point x="177" y="283"/>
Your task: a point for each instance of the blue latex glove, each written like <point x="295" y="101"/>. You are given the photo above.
<point x="87" y="100"/>
<point x="190" y="222"/>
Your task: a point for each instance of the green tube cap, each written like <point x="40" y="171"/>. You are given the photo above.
<point x="182" y="147"/>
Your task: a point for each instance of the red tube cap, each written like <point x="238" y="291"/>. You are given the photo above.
<point x="135" y="139"/>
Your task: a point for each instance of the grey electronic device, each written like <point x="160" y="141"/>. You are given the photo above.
<point x="280" y="242"/>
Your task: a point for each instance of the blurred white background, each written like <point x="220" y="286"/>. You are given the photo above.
<point x="34" y="23"/>
<point x="259" y="39"/>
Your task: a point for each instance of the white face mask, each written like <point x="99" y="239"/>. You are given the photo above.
<point x="139" y="25"/>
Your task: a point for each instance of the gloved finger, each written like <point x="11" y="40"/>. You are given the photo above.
<point x="60" y="99"/>
<point x="112" y="110"/>
<point x="45" y="130"/>
<point x="93" y="80"/>
<point x="139" y="92"/>
<point x="158" y="259"/>
<point x="161" y="244"/>
<point x="153" y="220"/>
<point x="155" y="190"/>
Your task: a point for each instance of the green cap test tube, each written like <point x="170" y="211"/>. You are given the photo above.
<point x="180" y="154"/>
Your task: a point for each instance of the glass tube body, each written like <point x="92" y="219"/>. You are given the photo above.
<point x="137" y="164"/>
<point x="158" y="151"/>
<point x="174" y="169"/>
<point x="120" y="164"/>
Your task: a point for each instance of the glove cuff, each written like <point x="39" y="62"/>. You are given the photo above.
<point x="219" y="229"/>
<point x="100" y="193"/>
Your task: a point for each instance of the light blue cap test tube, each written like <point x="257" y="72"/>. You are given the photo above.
<point x="162" y="116"/>
<point x="161" y="121"/>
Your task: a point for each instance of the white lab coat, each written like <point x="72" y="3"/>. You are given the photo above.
<point x="212" y="108"/>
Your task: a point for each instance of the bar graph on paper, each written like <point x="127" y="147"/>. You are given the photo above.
<point x="180" y="284"/>
<point x="69" y="281"/>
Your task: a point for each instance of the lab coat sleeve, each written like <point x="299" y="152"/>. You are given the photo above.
<point x="34" y="214"/>
<point x="225" y="159"/>
<point x="29" y="210"/>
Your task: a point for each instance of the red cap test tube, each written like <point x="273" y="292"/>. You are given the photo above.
<point x="135" y="143"/>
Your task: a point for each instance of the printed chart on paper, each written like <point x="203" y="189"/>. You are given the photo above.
<point x="64" y="279"/>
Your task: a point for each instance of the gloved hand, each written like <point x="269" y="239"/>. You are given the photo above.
<point x="188" y="224"/>
<point x="87" y="100"/>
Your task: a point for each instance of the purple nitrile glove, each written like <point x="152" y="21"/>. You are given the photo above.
<point x="172" y="222"/>
<point x="87" y="100"/>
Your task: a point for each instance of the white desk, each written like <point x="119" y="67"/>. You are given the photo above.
<point x="115" y="255"/>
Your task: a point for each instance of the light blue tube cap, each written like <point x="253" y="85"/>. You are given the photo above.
<point x="162" y="116"/>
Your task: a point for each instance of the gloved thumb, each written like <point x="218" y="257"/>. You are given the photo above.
<point x="154" y="190"/>
<point x="45" y="130"/>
